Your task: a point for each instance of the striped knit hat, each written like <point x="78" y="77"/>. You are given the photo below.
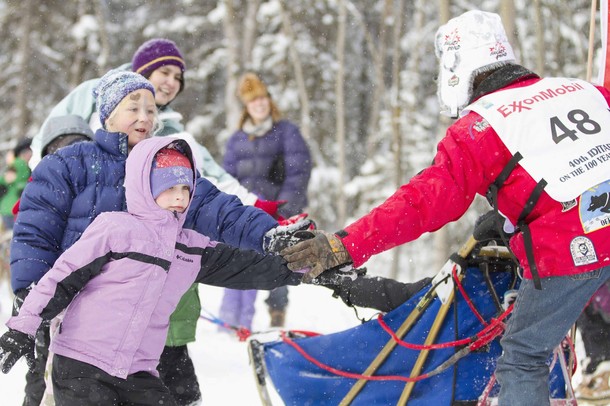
<point x="155" y="53"/>
<point x="170" y="168"/>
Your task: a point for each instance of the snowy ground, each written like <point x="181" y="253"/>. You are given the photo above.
<point x="221" y="360"/>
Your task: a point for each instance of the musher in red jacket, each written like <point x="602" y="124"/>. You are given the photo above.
<point x="539" y="149"/>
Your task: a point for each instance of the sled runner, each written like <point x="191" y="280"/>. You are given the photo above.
<point x="440" y="347"/>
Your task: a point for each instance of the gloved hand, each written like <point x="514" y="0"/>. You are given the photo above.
<point x="320" y="251"/>
<point x="20" y="296"/>
<point x="14" y="345"/>
<point x="338" y="276"/>
<point x="283" y="236"/>
<point x="270" y="206"/>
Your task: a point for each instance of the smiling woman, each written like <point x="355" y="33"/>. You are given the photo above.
<point x="160" y="61"/>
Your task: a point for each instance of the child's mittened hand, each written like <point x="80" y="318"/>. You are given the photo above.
<point x="14" y="345"/>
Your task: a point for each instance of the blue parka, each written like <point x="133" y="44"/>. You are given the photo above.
<point x="71" y="187"/>
<point x="275" y="166"/>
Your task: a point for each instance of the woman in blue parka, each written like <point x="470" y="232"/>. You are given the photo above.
<point x="269" y="157"/>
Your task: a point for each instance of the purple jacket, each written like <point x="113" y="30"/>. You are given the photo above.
<point x="124" y="277"/>
<point x="276" y="166"/>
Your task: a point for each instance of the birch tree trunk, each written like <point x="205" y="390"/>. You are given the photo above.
<point x="249" y="33"/>
<point x="396" y="130"/>
<point x="297" y="67"/>
<point x="102" y="60"/>
<point x="340" y="109"/>
<point x="232" y="106"/>
<point x="23" y="56"/>
<point x="441" y="237"/>
<point x="507" y="12"/>
<point x="539" y="24"/>
<point x="378" y="85"/>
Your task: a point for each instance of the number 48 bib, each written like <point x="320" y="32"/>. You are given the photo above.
<point x="560" y="126"/>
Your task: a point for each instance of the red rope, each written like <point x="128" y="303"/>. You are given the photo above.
<point x="486" y="335"/>
<point x="482" y="338"/>
<point x="346" y="374"/>
<point x="466" y="297"/>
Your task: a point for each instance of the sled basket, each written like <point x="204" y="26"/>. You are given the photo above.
<point x="342" y="358"/>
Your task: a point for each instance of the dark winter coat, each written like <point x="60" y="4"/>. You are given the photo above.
<point x="71" y="187"/>
<point x="275" y="166"/>
<point x="124" y="277"/>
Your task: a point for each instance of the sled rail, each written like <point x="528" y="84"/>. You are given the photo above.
<point x="424" y="302"/>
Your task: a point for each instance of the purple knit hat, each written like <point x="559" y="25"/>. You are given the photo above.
<point x="170" y="168"/>
<point x="113" y="87"/>
<point x="155" y="53"/>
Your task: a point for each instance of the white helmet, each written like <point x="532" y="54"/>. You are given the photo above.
<point x="467" y="45"/>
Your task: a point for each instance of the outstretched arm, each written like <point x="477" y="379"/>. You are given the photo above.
<point x="230" y="267"/>
<point x="224" y="218"/>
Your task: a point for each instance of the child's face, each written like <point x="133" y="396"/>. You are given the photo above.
<point x="176" y="198"/>
<point x="166" y="81"/>
<point x="135" y="116"/>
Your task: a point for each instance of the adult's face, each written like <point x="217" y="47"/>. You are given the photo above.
<point x="259" y="109"/>
<point x="166" y="80"/>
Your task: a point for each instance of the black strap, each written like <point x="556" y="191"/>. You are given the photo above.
<point x="492" y="192"/>
<point x="492" y="198"/>
<point x="527" y="235"/>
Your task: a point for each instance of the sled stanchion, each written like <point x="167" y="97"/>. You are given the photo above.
<point x="423" y="355"/>
<point x="400" y="333"/>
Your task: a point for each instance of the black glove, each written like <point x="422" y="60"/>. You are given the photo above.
<point x="378" y="293"/>
<point x="284" y="236"/>
<point x="14" y="345"/>
<point x="319" y="252"/>
<point x="20" y="296"/>
<point x="490" y="226"/>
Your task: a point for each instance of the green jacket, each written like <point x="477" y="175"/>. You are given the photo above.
<point x="14" y="189"/>
<point x="183" y="321"/>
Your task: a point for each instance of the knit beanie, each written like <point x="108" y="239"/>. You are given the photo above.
<point x="251" y="87"/>
<point x="467" y="45"/>
<point x="63" y="125"/>
<point x="155" y="53"/>
<point x="170" y="168"/>
<point x="113" y="87"/>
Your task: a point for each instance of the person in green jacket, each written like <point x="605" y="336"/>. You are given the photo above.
<point x="13" y="181"/>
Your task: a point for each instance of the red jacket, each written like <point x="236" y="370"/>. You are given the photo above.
<point x="466" y="163"/>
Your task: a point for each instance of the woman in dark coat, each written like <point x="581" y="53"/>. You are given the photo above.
<point x="270" y="158"/>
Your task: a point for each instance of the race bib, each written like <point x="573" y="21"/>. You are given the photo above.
<point x="560" y="126"/>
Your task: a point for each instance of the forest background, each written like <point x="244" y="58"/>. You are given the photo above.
<point x="357" y="76"/>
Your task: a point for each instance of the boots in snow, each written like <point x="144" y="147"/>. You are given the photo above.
<point x="278" y="317"/>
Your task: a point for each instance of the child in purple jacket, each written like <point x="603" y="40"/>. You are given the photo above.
<point x="120" y="282"/>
